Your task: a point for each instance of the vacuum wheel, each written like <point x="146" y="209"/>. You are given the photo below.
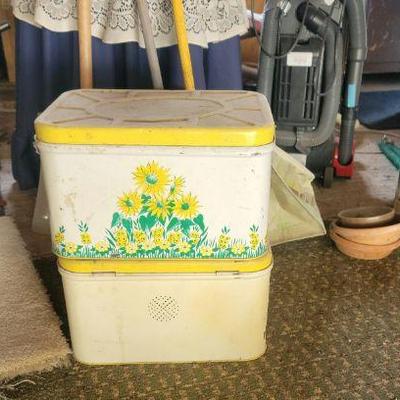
<point x="320" y="158"/>
<point x="328" y="177"/>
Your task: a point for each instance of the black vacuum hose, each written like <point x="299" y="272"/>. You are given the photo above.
<point x="320" y="24"/>
<point x="267" y="64"/>
<point x="349" y="116"/>
<point x="357" y="55"/>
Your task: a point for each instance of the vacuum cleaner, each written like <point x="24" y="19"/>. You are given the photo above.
<point x="311" y="62"/>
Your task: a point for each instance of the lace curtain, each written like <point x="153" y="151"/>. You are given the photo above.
<point x="116" y="21"/>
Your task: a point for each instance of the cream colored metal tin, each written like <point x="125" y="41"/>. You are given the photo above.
<point x="157" y="175"/>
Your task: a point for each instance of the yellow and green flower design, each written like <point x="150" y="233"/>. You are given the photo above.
<point x="158" y="219"/>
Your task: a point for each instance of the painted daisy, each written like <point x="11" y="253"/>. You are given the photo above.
<point x="238" y="249"/>
<point x="71" y="248"/>
<point x="131" y="248"/>
<point x="206" y="251"/>
<point x="184" y="247"/>
<point x="148" y="245"/>
<point x="102" y="246"/>
<point x="164" y="245"/>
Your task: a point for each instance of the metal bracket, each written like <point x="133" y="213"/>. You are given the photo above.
<point x="285" y="6"/>
<point x="4" y="26"/>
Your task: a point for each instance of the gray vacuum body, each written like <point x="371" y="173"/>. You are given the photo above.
<point x="310" y="74"/>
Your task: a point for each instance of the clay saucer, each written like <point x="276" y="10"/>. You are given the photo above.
<point x="381" y="235"/>
<point x="364" y="217"/>
<point x="362" y="251"/>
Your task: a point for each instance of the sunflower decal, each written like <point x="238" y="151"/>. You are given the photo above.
<point x="176" y="188"/>
<point x="187" y="206"/>
<point x="151" y="178"/>
<point x="157" y="218"/>
<point x="160" y="208"/>
<point x="130" y="203"/>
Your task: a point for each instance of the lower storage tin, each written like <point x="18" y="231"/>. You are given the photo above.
<point x="124" y="312"/>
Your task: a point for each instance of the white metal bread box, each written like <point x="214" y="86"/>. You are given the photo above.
<point x="158" y="208"/>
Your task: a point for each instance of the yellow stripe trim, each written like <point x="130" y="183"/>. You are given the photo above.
<point x="166" y="266"/>
<point x="146" y="136"/>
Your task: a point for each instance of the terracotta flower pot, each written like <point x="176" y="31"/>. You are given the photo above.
<point x="382" y="235"/>
<point x="364" y="217"/>
<point x="362" y="251"/>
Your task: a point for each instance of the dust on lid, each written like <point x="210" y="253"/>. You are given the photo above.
<point x="158" y="118"/>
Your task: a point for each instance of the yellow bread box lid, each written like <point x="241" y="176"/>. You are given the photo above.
<point x="126" y="266"/>
<point x="213" y="118"/>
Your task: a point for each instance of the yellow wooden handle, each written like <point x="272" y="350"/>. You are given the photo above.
<point x="183" y="45"/>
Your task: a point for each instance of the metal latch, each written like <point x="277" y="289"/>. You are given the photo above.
<point x="228" y="273"/>
<point x="104" y="273"/>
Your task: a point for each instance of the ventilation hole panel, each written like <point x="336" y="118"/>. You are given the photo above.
<point x="163" y="308"/>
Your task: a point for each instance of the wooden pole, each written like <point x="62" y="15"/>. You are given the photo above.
<point x="8" y="39"/>
<point x="150" y="44"/>
<point x="85" y="43"/>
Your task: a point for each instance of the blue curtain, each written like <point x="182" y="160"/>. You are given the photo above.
<point x="47" y="65"/>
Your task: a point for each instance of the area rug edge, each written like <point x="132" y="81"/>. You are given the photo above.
<point x="30" y="336"/>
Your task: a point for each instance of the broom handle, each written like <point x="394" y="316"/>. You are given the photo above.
<point x="85" y="43"/>
<point x="150" y="45"/>
<point x="183" y="44"/>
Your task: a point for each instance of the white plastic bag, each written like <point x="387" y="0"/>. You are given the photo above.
<point x="294" y="213"/>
